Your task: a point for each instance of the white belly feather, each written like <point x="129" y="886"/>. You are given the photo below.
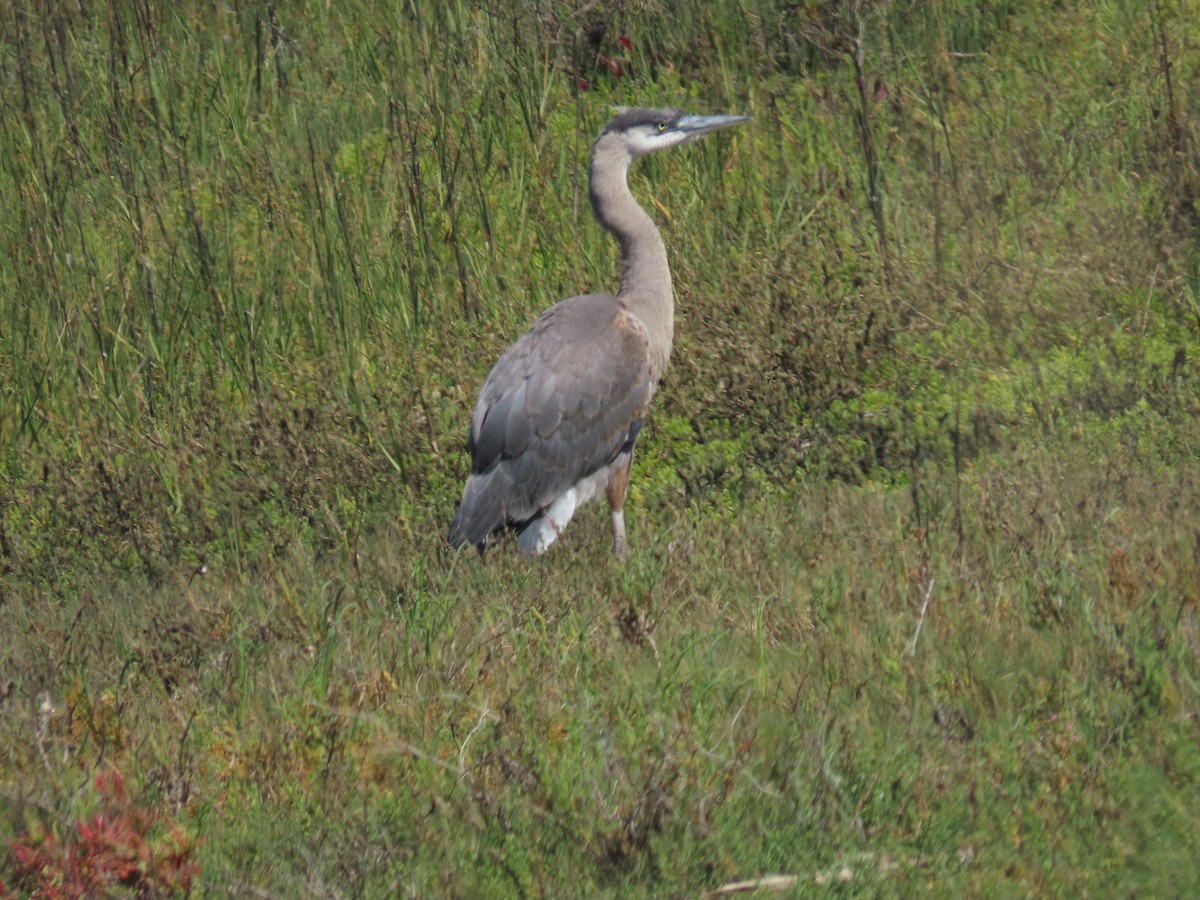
<point x="543" y="530"/>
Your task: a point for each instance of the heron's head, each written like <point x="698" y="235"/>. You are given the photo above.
<point x="643" y="131"/>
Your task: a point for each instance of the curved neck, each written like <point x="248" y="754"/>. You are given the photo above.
<point x="645" y="274"/>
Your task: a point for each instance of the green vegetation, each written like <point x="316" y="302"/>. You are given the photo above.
<point x="913" y="602"/>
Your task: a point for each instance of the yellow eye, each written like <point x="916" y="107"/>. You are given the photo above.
<point x="662" y="126"/>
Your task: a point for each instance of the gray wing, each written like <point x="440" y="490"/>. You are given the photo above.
<point x="560" y="404"/>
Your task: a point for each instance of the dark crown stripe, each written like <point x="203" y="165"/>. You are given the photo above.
<point x="632" y="118"/>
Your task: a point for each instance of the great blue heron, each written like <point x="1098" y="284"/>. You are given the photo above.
<point x="559" y="414"/>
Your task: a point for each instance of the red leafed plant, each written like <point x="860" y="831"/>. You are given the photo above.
<point x="124" y="845"/>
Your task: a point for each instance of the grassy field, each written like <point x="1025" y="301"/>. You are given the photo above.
<point x="913" y="599"/>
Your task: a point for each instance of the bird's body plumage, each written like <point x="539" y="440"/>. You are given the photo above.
<point x="549" y="415"/>
<point x="558" y="416"/>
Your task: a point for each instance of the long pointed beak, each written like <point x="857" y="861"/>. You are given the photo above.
<point x="695" y="126"/>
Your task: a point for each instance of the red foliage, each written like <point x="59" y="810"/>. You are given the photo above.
<point x="125" y="844"/>
<point x="613" y="65"/>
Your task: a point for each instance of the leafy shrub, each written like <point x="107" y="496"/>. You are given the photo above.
<point x="125" y="844"/>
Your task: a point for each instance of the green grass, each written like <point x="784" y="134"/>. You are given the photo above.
<point x="913" y="597"/>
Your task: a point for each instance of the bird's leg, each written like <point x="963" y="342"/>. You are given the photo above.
<point x="618" y="487"/>
<point x="620" y="547"/>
